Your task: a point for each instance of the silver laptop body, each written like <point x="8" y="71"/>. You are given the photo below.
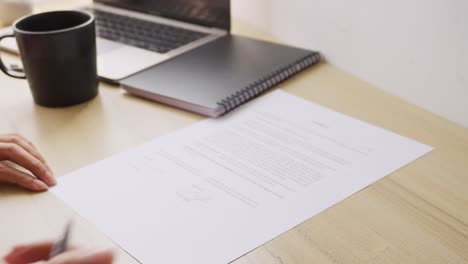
<point x="135" y="35"/>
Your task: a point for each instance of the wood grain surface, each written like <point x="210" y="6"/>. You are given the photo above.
<point x="418" y="214"/>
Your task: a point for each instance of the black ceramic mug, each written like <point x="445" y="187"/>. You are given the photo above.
<point x="58" y="52"/>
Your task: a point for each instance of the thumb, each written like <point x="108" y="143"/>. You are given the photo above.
<point x="84" y="257"/>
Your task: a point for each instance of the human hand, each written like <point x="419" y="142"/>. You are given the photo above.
<point x="39" y="253"/>
<point x="19" y="151"/>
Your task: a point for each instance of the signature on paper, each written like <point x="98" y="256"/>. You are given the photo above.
<point x="194" y="193"/>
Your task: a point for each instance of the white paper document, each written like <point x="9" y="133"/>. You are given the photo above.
<point x="216" y="190"/>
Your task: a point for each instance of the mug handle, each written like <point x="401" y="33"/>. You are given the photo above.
<point x="14" y="71"/>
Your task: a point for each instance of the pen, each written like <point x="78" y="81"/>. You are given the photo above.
<point x="62" y="243"/>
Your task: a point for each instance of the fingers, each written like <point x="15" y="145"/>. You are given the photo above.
<point x="15" y="152"/>
<point x="39" y="253"/>
<point x="29" y="253"/>
<point x="12" y="175"/>
<point x="24" y="143"/>
<point x="83" y="257"/>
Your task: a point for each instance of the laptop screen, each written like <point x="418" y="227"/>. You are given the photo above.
<point x="212" y="13"/>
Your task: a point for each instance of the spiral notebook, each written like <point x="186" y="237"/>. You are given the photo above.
<point x="216" y="78"/>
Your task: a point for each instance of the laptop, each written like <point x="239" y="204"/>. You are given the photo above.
<point x="134" y="35"/>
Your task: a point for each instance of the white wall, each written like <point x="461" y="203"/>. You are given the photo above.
<point x="256" y="12"/>
<point x="416" y="49"/>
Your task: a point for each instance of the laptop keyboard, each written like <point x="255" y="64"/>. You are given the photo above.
<point x="141" y="33"/>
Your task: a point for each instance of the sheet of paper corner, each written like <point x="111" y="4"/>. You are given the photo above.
<point x="281" y="95"/>
<point x="284" y="101"/>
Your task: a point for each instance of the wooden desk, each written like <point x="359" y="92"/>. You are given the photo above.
<point x="418" y="214"/>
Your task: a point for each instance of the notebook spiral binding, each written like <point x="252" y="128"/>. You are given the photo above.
<point x="267" y="82"/>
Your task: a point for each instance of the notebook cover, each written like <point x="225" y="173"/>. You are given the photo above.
<point x="204" y="77"/>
